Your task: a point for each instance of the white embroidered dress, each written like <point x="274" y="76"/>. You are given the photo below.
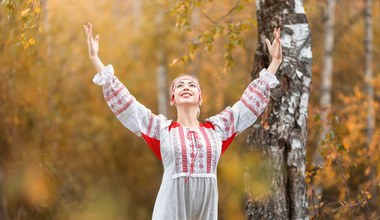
<point x="190" y="157"/>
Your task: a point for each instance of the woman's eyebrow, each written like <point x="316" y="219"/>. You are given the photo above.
<point x="190" y="82"/>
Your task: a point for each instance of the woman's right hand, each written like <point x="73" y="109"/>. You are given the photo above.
<point x="93" y="44"/>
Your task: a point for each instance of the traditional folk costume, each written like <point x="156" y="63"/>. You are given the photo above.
<point x="189" y="156"/>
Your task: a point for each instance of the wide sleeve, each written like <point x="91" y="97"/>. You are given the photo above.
<point x="233" y="120"/>
<point x="131" y="113"/>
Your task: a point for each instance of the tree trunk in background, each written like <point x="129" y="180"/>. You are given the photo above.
<point x="370" y="91"/>
<point x="326" y="78"/>
<point x="46" y="27"/>
<point x="195" y="21"/>
<point x="137" y="15"/>
<point x="3" y="207"/>
<point x="326" y="82"/>
<point x="161" y="83"/>
<point x="280" y="134"/>
<point x="161" y="69"/>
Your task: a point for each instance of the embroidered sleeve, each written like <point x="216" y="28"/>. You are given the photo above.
<point x="233" y="120"/>
<point x="132" y="114"/>
<point x="254" y="100"/>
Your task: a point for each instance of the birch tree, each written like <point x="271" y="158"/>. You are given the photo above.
<point x="369" y="87"/>
<point x="326" y="83"/>
<point x="137" y="13"/>
<point x="3" y="208"/>
<point x="326" y="78"/>
<point x="161" y="70"/>
<point x="280" y="134"/>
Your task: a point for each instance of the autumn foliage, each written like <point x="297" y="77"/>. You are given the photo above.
<point x="63" y="154"/>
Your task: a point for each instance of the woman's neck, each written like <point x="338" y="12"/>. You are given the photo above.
<point x="187" y="116"/>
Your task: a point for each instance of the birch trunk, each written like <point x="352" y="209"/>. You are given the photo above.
<point x="280" y="133"/>
<point x="326" y="78"/>
<point x="46" y="26"/>
<point x="326" y="83"/>
<point x="161" y="83"/>
<point x="3" y="206"/>
<point x="370" y="90"/>
<point x="137" y="14"/>
<point x="195" y="22"/>
<point x="161" y="70"/>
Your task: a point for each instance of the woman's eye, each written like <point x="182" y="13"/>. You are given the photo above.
<point x="179" y="86"/>
<point x="192" y="85"/>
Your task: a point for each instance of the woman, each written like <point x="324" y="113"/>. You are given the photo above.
<point x="189" y="150"/>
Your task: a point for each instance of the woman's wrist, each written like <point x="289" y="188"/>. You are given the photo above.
<point x="274" y="65"/>
<point x="276" y="62"/>
<point x="94" y="57"/>
<point x="99" y="66"/>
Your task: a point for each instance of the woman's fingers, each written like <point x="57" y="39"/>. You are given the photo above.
<point x="276" y="33"/>
<point x="268" y="44"/>
<point x="88" y="29"/>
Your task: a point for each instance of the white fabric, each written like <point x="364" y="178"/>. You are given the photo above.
<point x="189" y="186"/>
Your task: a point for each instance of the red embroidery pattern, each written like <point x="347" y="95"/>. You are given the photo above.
<point x="208" y="147"/>
<point x="256" y="96"/>
<point x="215" y="156"/>
<point x="199" y="156"/>
<point x="183" y="147"/>
<point x="227" y="118"/>
<point x="117" y="96"/>
<point x="177" y="151"/>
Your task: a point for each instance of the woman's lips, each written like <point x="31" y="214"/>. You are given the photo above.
<point x="186" y="94"/>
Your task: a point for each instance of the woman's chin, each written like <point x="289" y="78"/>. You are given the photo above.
<point x="187" y="103"/>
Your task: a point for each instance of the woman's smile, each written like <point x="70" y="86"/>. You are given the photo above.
<point x="186" y="94"/>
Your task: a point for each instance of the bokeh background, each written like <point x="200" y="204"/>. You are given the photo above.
<point x="64" y="155"/>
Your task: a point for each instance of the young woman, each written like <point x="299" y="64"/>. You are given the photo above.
<point x="189" y="149"/>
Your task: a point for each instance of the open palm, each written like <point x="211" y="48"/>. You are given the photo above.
<point x="93" y="44"/>
<point x="274" y="48"/>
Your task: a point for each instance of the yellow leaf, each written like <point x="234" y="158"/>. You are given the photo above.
<point x="32" y="41"/>
<point x="25" y="12"/>
<point x="174" y="62"/>
<point x="37" y="10"/>
<point x="25" y="45"/>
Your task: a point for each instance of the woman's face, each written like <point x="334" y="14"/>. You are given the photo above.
<point x="186" y="91"/>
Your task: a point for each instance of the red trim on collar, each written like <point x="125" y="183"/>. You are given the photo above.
<point x="206" y="124"/>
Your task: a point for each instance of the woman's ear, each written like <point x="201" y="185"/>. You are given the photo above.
<point x="200" y="100"/>
<point x="172" y="101"/>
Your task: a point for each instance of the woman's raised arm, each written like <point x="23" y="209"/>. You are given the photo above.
<point x="275" y="51"/>
<point x="93" y="47"/>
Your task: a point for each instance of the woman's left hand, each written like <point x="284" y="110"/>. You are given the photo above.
<point x="274" y="48"/>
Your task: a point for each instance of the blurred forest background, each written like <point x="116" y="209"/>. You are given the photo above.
<point x="64" y="155"/>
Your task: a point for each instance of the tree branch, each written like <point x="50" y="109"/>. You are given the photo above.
<point x="224" y="16"/>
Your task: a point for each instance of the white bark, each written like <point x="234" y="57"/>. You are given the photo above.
<point x="283" y="140"/>
<point x="161" y="70"/>
<point x="161" y="83"/>
<point x="46" y="27"/>
<point x="326" y="84"/>
<point x="326" y="77"/>
<point x="137" y="9"/>
<point x="369" y="70"/>
<point x="370" y="90"/>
